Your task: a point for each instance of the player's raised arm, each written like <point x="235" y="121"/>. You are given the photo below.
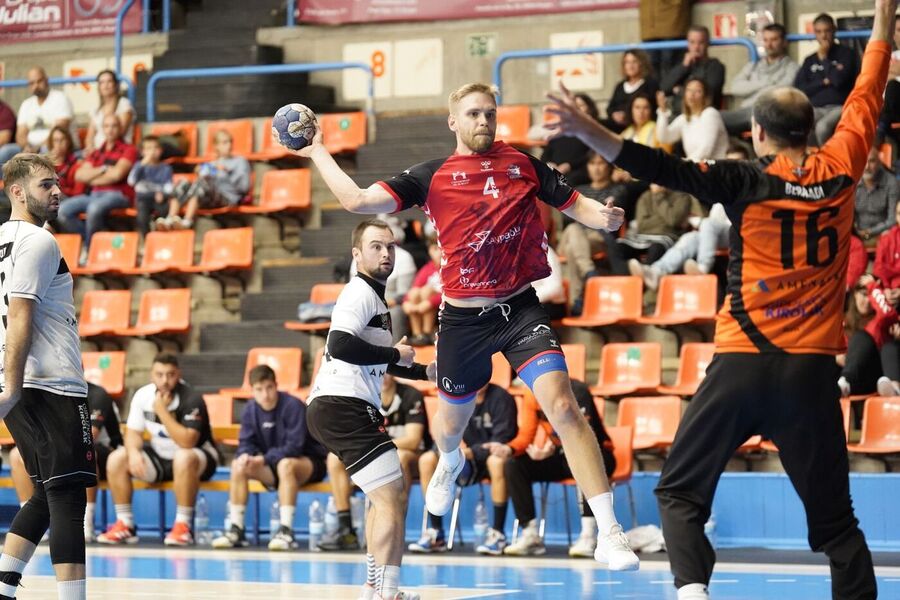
<point x="371" y="200"/>
<point x="596" y="215"/>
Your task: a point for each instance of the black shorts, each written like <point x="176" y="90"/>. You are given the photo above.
<point x="320" y="470"/>
<point x="163" y="466"/>
<point x="351" y="428"/>
<point x="53" y="434"/>
<point x="468" y="337"/>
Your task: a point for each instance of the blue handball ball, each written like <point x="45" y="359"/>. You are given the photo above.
<point x="294" y="125"/>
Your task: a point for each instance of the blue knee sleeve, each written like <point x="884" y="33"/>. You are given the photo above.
<point x="545" y="362"/>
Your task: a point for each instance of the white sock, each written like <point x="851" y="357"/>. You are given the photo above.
<point x="236" y="514"/>
<point x="10" y="564"/>
<point x="125" y="514"/>
<point x="588" y="527"/>
<point x="451" y="458"/>
<point x="184" y="514"/>
<point x="602" y="507"/>
<point x="371" y="570"/>
<point x="89" y="516"/>
<point x="388" y="581"/>
<point x="72" y="590"/>
<point x="286" y="514"/>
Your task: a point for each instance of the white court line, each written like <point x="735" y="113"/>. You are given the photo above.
<point x="712" y="581"/>
<point x="546" y="583"/>
<point x="607" y="583"/>
<point x="490" y="585"/>
<point x="781" y="581"/>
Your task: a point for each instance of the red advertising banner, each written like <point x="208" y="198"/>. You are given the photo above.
<point x="33" y="20"/>
<point x="337" y="12"/>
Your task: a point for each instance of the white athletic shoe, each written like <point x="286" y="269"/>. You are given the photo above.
<point x="584" y="546"/>
<point x="886" y="387"/>
<point x="693" y="591"/>
<point x="442" y="487"/>
<point x="614" y="552"/>
<point x="527" y="544"/>
<point x="367" y="592"/>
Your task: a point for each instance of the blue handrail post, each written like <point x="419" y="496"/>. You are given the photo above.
<point x="166" y="16"/>
<point x="145" y="28"/>
<point x="120" y="19"/>
<point x="291" y="4"/>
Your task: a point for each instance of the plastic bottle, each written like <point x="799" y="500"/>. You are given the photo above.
<point x="331" y="518"/>
<point x="274" y="519"/>
<point x="201" y="521"/>
<point x="358" y="516"/>
<point x="316" y="525"/>
<point x="481" y="521"/>
<point x="710" y="530"/>
<point x="226" y="524"/>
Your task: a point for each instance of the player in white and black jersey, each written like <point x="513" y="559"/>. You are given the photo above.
<point x="345" y="399"/>
<point x="44" y="395"/>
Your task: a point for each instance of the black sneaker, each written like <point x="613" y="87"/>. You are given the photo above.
<point x="342" y="539"/>
<point x="233" y="538"/>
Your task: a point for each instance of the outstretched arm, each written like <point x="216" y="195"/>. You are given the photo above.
<point x="371" y="200"/>
<point x="596" y="215"/>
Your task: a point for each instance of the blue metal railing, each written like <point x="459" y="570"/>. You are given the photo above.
<point x="664" y="45"/>
<point x="117" y="40"/>
<point x="166" y="16"/>
<point x="263" y="70"/>
<point x="290" y="12"/>
<point x="841" y="35"/>
<point x="12" y="83"/>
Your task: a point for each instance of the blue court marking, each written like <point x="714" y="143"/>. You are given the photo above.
<point x="474" y="577"/>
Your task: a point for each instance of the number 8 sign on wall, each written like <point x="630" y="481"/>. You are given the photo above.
<point x="379" y="56"/>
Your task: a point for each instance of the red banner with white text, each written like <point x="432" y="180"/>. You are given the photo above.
<point x="33" y="20"/>
<point x="337" y="12"/>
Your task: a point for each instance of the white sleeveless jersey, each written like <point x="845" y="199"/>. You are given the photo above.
<point x="360" y="312"/>
<point x="32" y="267"/>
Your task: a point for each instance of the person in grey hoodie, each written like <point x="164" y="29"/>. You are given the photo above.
<point x="774" y="70"/>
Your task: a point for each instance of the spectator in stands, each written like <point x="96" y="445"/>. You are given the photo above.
<point x="664" y="20"/>
<point x="662" y="217"/>
<point x="112" y="102"/>
<point x="42" y="111"/>
<point x="775" y="69"/>
<point x="859" y="261"/>
<point x="826" y="77"/>
<point x="107" y="437"/>
<point x="547" y="462"/>
<point x="876" y="199"/>
<point x="642" y="121"/>
<point x="890" y="114"/>
<point x="105" y="170"/>
<point x="424" y="298"/>
<point x="181" y="449"/>
<point x="637" y="79"/>
<point x="152" y="182"/>
<point x="399" y="281"/>
<point x="225" y="181"/>
<point x="569" y="155"/>
<point x="695" y="251"/>
<point x="551" y="291"/>
<point x="887" y="255"/>
<point x="872" y="362"/>
<point x="488" y="436"/>
<point x="8" y="146"/>
<point x="275" y="448"/>
<point x="61" y="150"/>
<point x="696" y="64"/>
<point x="578" y="243"/>
<point x="403" y="409"/>
<point x="699" y="127"/>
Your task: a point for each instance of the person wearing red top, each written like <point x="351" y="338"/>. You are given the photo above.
<point x="424" y="298"/>
<point x="887" y="256"/>
<point x="60" y="149"/>
<point x="482" y="201"/>
<point x="858" y="261"/>
<point x="106" y="172"/>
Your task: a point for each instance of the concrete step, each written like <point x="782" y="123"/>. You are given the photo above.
<point x="241" y="337"/>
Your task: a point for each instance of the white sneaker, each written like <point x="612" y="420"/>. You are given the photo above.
<point x="367" y="592"/>
<point x="692" y="267"/>
<point x="844" y="385"/>
<point x="528" y="544"/>
<point x="693" y="591"/>
<point x="614" y="552"/>
<point x="635" y="267"/>
<point x="584" y="546"/>
<point x="442" y="487"/>
<point x="886" y="387"/>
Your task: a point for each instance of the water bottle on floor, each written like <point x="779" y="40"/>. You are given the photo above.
<point x="331" y="518"/>
<point x="316" y="525"/>
<point x="274" y="519"/>
<point x="358" y="516"/>
<point x="481" y="522"/>
<point x="201" y="522"/>
<point x="710" y="530"/>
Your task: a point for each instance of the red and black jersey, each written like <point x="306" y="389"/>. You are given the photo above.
<point x="484" y="211"/>
<point x="791" y="226"/>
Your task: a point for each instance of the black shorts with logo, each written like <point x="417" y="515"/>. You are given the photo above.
<point x="53" y="434"/>
<point x="351" y="428"/>
<point x="163" y="466"/>
<point x="468" y="337"/>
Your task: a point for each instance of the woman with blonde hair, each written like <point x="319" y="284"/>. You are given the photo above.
<point x="699" y="128"/>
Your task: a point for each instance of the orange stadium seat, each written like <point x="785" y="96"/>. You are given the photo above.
<point x="110" y="252"/>
<point x="70" y="248"/>
<point x="610" y="300"/>
<point x="576" y="356"/>
<point x="103" y="312"/>
<point x="321" y="293"/>
<point x="162" y="311"/>
<point x="165" y="251"/>
<point x="653" y="418"/>
<point x="684" y="299"/>
<point x="225" y="249"/>
<point x="343" y="132"/>
<point x="513" y="123"/>
<point x="303" y="392"/>
<point x="220" y="409"/>
<point x="189" y="129"/>
<point x="241" y="131"/>
<point x="880" y="427"/>
<point x="106" y="369"/>
<point x="269" y="149"/>
<point x="691" y="369"/>
<point x="282" y="190"/>
<point x="286" y="362"/>
<point x="628" y="368"/>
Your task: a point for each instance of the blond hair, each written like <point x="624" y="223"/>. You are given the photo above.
<point x="471" y="88"/>
<point x="21" y="167"/>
